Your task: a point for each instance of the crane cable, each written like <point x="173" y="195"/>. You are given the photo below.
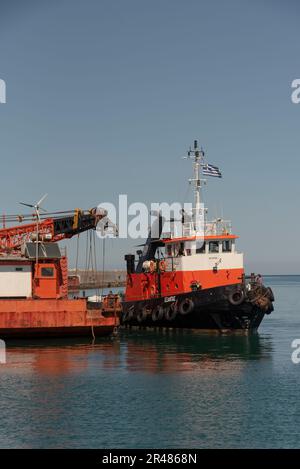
<point x="95" y="264"/>
<point x="103" y="263"/>
<point x="90" y="261"/>
<point x="77" y="254"/>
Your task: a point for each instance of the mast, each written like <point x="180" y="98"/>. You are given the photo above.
<point x="198" y="156"/>
<point x="197" y="180"/>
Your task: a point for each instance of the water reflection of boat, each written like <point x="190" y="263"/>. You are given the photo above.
<point x="62" y="356"/>
<point x="146" y="351"/>
<point x="190" y="350"/>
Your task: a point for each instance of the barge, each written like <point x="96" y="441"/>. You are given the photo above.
<point x="34" y="296"/>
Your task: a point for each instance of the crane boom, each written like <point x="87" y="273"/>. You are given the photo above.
<point x="50" y="229"/>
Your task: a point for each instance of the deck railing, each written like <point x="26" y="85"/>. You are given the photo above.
<point x="211" y="228"/>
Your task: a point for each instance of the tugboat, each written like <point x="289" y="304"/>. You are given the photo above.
<point x="188" y="280"/>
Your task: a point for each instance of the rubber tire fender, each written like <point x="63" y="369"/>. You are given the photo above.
<point x="128" y="315"/>
<point x="271" y="308"/>
<point x="236" y="301"/>
<point x="270" y="294"/>
<point x="190" y="305"/>
<point x="142" y="314"/>
<point x="157" y="313"/>
<point x="171" y="312"/>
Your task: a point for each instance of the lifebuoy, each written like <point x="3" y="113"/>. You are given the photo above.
<point x="236" y="297"/>
<point x="186" y="306"/>
<point x="171" y="312"/>
<point x="153" y="290"/>
<point x="157" y="313"/>
<point x="162" y="266"/>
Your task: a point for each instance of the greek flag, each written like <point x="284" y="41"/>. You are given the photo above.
<point x="210" y="170"/>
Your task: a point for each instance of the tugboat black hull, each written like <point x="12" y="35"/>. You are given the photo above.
<point x="223" y="309"/>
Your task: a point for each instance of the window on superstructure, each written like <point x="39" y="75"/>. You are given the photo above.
<point x="214" y="246"/>
<point x="47" y="272"/>
<point x="179" y="249"/>
<point x="226" y="245"/>
<point x="201" y="248"/>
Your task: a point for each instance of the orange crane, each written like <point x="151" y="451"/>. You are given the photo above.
<point x="60" y="226"/>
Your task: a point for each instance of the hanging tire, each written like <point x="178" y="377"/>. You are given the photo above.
<point x="128" y="315"/>
<point x="269" y="294"/>
<point x="186" y="306"/>
<point x="171" y="312"/>
<point x="271" y="308"/>
<point x="236" y="297"/>
<point x="142" y="315"/>
<point x="157" y="313"/>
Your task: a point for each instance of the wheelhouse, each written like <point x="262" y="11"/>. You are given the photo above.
<point x="192" y="246"/>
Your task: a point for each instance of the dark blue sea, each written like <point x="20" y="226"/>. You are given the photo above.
<point x="156" y="390"/>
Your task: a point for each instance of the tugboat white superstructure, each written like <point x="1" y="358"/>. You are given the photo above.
<point x="194" y="278"/>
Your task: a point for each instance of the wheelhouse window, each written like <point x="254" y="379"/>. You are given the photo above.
<point x="201" y="248"/>
<point x="169" y="250"/>
<point x="214" y="246"/>
<point x="175" y="250"/>
<point x="227" y="245"/>
<point x="179" y="249"/>
<point x="47" y="272"/>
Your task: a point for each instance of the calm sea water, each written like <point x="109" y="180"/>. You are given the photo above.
<point x="156" y="390"/>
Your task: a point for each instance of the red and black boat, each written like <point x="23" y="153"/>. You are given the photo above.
<point x="194" y="279"/>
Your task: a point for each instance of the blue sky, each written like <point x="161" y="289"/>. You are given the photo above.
<point x="104" y="97"/>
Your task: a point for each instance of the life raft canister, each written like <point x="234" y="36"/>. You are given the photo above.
<point x="186" y="306"/>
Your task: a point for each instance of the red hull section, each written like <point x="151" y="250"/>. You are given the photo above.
<point x="55" y="318"/>
<point x="145" y="286"/>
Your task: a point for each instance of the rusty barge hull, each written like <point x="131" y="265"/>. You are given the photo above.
<point x="56" y="332"/>
<point x="26" y="318"/>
